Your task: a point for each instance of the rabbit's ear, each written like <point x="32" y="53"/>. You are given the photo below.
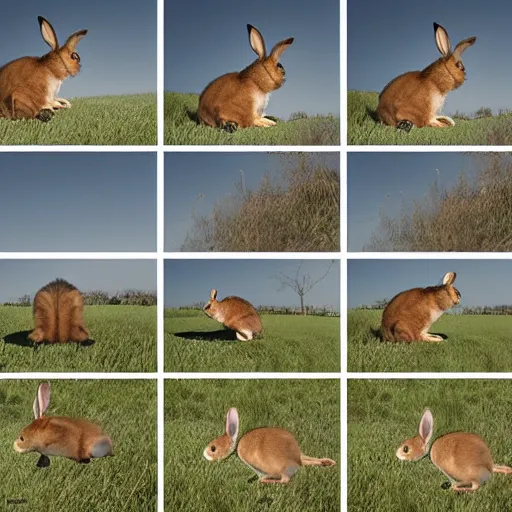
<point x="426" y="426"/>
<point x="232" y="423"/>
<point x="449" y="277"/>
<point x="49" y="35"/>
<point x="279" y="48"/>
<point x="256" y="41"/>
<point x="442" y="40"/>
<point x="461" y="47"/>
<point x="42" y="400"/>
<point x="74" y="38"/>
<point x="213" y="294"/>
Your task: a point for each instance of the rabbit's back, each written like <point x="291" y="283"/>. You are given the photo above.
<point x="462" y="456"/>
<point x="240" y="312"/>
<point x="269" y="450"/>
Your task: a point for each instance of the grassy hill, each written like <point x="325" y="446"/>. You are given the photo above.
<point x="384" y="413"/>
<point x="182" y="129"/>
<point x="124" y="336"/>
<point x="475" y="343"/>
<point x="126" y="410"/>
<point x="195" y="414"/>
<point x="196" y="343"/>
<point x="107" y="120"/>
<point x="363" y="129"/>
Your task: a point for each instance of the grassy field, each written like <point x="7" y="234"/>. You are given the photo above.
<point x="475" y="343"/>
<point x="195" y="412"/>
<point x="106" y="120"/>
<point x="182" y="129"/>
<point x="124" y="336"/>
<point x="196" y="343"/>
<point x="126" y="410"/>
<point x="382" y="414"/>
<point x="363" y="129"/>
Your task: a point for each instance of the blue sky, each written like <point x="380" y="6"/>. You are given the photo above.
<point x="78" y="202"/>
<point x="386" y="39"/>
<point x="118" y="54"/>
<point x="385" y="180"/>
<point x="194" y="182"/>
<point x="190" y="281"/>
<point x="480" y="282"/>
<point x="20" y="277"/>
<point x="204" y="40"/>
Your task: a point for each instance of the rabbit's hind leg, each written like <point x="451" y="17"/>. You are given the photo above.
<point x="465" y="486"/>
<point x="264" y="122"/>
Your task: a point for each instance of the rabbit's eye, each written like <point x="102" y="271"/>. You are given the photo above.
<point x="212" y="448"/>
<point x="279" y="65"/>
<point x="406" y="449"/>
<point x="460" y="66"/>
<point x="208" y="306"/>
<point x="21" y="438"/>
<point x="75" y="56"/>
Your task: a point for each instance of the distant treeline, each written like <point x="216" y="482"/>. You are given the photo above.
<point x="505" y="309"/>
<point x="100" y="298"/>
<point x="280" y="310"/>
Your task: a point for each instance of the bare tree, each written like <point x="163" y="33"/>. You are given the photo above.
<point x="301" y="284"/>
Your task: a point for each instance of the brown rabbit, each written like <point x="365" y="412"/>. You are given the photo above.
<point x="414" y="98"/>
<point x="75" y="439"/>
<point x="29" y="85"/>
<point x="238" y="100"/>
<point x="409" y="315"/>
<point x="236" y="314"/>
<point x="463" y="457"/>
<point x="58" y="310"/>
<point x="273" y="453"/>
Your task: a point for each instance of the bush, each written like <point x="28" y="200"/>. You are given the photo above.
<point x="298" y="211"/>
<point x="298" y="115"/>
<point x="472" y="216"/>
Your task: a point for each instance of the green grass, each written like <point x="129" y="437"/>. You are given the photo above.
<point x="196" y="343"/>
<point x="363" y="129"/>
<point x="195" y="412"/>
<point x="125" y="341"/>
<point x="106" y="120"/>
<point x="180" y="129"/>
<point x="126" y="410"/>
<point x="382" y="414"/>
<point x="475" y="343"/>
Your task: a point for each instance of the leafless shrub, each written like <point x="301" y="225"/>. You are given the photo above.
<point x="296" y="209"/>
<point x="474" y="215"/>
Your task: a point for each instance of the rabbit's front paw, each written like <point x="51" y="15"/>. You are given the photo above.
<point x="45" y="115"/>
<point x="230" y="126"/>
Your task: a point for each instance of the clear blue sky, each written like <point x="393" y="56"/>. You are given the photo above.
<point x="194" y="182"/>
<point x="386" y="180"/>
<point x="190" y="281"/>
<point x="480" y="282"/>
<point x="118" y="54"/>
<point x="386" y="39"/>
<point x="204" y="40"/>
<point x="20" y="277"/>
<point x="78" y="202"/>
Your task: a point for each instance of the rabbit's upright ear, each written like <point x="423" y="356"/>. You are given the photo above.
<point x="213" y="294"/>
<point x="449" y="278"/>
<point x="426" y="426"/>
<point x="442" y="40"/>
<point x="49" y="35"/>
<point x="462" y="46"/>
<point x="42" y="400"/>
<point x="279" y="48"/>
<point x="256" y="41"/>
<point x="74" y="38"/>
<point x="232" y="423"/>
